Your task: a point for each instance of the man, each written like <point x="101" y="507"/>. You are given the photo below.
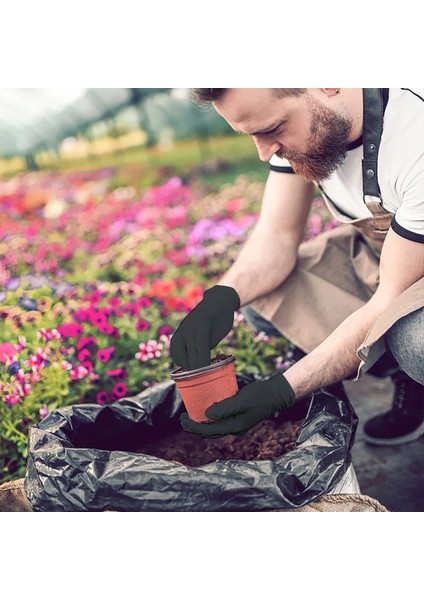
<point x="352" y="300"/>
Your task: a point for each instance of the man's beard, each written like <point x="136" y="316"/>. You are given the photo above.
<point x="328" y="144"/>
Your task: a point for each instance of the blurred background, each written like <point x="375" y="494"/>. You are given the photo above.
<point x="158" y="131"/>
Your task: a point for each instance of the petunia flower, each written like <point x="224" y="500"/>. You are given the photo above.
<point x="117" y="373"/>
<point x="105" y="354"/>
<point x="119" y="391"/>
<point x="86" y="341"/>
<point x="142" y="325"/>
<point x="165" y="330"/>
<point x="70" y="330"/>
<point x="102" y="397"/>
<point x="84" y="354"/>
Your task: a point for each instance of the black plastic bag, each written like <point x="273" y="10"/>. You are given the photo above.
<point x="80" y="459"/>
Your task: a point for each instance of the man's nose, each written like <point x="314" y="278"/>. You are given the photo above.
<point x="266" y="147"/>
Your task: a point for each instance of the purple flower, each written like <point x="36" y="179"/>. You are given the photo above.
<point x="13" y="283"/>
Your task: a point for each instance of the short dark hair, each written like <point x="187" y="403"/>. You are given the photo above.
<point x="202" y="96"/>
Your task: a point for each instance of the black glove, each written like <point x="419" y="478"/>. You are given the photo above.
<point x="204" y="327"/>
<point x="236" y="415"/>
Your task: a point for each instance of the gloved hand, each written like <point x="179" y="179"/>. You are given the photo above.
<point x="204" y="327"/>
<point x="236" y="415"/>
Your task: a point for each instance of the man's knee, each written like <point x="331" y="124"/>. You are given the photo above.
<point x="405" y="340"/>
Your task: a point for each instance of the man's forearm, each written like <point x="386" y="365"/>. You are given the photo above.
<point x="335" y="358"/>
<point x="262" y="265"/>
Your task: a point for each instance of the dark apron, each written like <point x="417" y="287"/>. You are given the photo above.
<point x="337" y="272"/>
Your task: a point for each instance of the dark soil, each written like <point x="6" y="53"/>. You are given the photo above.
<point x="267" y="440"/>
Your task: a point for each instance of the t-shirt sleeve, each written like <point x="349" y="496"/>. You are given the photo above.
<point x="281" y="165"/>
<point x="408" y="221"/>
<point x="408" y="177"/>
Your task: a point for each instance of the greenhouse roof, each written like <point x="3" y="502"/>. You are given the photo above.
<point x="36" y="118"/>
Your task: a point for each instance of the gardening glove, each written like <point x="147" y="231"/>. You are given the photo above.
<point x="236" y="415"/>
<point x="204" y="327"/>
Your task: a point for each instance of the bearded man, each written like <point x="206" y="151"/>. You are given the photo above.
<point x="352" y="299"/>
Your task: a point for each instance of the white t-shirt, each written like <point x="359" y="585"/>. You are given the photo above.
<point x="400" y="170"/>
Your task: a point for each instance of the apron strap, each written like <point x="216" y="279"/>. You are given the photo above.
<point x="373" y="128"/>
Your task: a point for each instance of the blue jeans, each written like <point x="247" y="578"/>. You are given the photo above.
<point x="405" y="340"/>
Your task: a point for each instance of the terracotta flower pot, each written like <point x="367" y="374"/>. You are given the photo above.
<point x="200" y="388"/>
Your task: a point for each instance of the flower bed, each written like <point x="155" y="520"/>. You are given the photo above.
<point x="94" y="281"/>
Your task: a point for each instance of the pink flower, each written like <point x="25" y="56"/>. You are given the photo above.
<point x="97" y="318"/>
<point x="70" y="330"/>
<point x="114" y="301"/>
<point x="119" y="391"/>
<point x="79" y="373"/>
<point x="84" y="355"/>
<point x="44" y="411"/>
<point x="86" y="341"/>
<point x="149" y="350"/>
<point x="7" y="351"/>
<point x="87" y="364"/>
<point x="12" y="399"/>
<point x="47" y="335"/>
<point x="105" y="354"/>
<point x="106" y="328"/>
<point x="102" y="397"/>
<point x="116" y="373"/>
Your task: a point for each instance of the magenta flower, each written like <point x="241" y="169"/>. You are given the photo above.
<point x="102" y="397"/>
<point x="86" y="341"/>
<point x="82" y="314"/>
<point x="132" y="308"/>
<point x="87" y="364"/>
<point x="117" y="373"/>
<point x="84" y="355"/>
<point x="142" y="325"/>
<point x="114" y="301"/>
<point x="70" y="330"/>
<point x="119" y="391"/>
<point x="144" y="302"/>
<point x="105" y="354"/>
<point x="96" y="318"/>
<point x="106" y="328"/>
<point x="165" y="330"/>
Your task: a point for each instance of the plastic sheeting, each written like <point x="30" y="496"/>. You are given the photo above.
<point x="80" y="459"/>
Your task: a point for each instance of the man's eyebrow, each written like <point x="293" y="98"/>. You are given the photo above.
<point x="262" y="131"/>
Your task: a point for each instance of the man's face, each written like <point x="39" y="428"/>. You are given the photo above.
<point x="312" y="135"/>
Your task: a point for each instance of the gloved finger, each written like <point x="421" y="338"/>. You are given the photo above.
<point x="198" y="349"/>
<point x="226" y="408"/>
<point x="178" y="352"/>
<point x="205" y="430"/>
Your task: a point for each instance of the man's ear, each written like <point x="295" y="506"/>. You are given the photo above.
<point x="331" y="91"/>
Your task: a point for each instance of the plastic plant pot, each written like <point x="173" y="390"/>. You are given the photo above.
<point x="203" y="387"/>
